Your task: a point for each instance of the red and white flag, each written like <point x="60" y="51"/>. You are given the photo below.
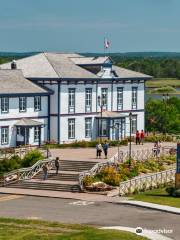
<point x="106" y="43"/>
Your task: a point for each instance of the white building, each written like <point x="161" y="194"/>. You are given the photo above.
<point x="72" y="89"/>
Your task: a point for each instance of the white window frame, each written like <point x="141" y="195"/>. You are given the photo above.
<point x="36" y="134"/>
<point x="71" y="128"/>
<point x="71" y="100"/>
<point x="134" y="124"/>
<point x="134" y="97"/>
<point x="120" y="94"/>
<point x="88" y="127"/>
<point x="4" y="105"/>
<point x="4" y="135"/>
<point x="37" y="103"/>
<point x="22" y="104"/>
<point x="88" y="100"/>
<point x="104" y="97"/>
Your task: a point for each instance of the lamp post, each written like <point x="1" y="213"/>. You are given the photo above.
<point x="130" y="121"/>
<point x="100" y="103"/>
<point x="165" y="98"/>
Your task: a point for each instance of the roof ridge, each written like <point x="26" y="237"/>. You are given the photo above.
<point x="45" y="54"/>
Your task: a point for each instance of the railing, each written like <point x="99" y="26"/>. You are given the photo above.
<point x="146" y="182"/>
<point x="122" y="156"/>
<point x="26" y="173"/>
<point x="10" y="152"/>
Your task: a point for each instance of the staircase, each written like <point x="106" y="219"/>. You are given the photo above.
<point x="66" y="180"/>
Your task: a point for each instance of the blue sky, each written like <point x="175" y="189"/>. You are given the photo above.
<point x="80" y="25"/>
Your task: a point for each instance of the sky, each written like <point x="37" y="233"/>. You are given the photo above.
<point x="81" y="25"/>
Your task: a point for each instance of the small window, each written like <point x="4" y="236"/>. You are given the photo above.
<point x="71" y="100"/>
<point x="134" y="97"/>
<point x="22" y="104"/>
<point x="71" y="128"/>
<point x="134" y="124"/>
<point x="36" y="134"/>
<point x="119" y="98"/>
<point x="88" y="127"/>
<point x="37" y="103"/>
<point x="88" y="100"/>
<point x="4" y="105"/>
<point x="5" y="135"/>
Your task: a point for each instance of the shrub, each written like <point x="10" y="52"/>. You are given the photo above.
<point x="172" y="191"/>
<point x="31" y="158"/>
<point x="7" y="165"/>
<point x="88" y="180"/>
<point x="109" y="175"/>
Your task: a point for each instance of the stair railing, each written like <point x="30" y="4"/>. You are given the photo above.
<point x="27" y="173"/>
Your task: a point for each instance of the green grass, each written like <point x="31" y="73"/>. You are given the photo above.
<point x="39" y="230"/>
<point x="158" y="196"/>
<point x="163" y="82"/>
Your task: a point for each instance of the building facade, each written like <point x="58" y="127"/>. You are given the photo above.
<point x="86" y="98"/>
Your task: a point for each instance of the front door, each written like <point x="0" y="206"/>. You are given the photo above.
<point x="120" y="130"/>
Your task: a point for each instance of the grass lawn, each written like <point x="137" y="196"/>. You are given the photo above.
<point x="39" y="230"/>
<point x="158" y="196"/>
<point x="163" y="82"/>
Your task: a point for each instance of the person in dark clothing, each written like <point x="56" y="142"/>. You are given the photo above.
<point x="57" y="165"/>
<point x="105" y="148"/>
<point x="45" y="171"/>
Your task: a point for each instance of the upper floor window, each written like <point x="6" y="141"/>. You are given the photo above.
<point x="134" y="97"/>
<point x="22" y="104"/>
<point x="37" y="103"/>
<point x="88" y="100"/>
<point x="88" y="127"/>
<point x="71" y="128"/>
<point x="104" y="97"/>
<point x="119" y="98"/>
<point x="71" y="100"/>
<point x="4" y="104"/>
<point x="4" y="135"/>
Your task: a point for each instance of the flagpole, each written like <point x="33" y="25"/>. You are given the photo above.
<point x="104" y="46"/>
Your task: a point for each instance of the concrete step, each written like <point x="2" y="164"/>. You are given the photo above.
<point x="62" y="175"/>
<point x="78" y="166"/>
<point x="47" y="185"/>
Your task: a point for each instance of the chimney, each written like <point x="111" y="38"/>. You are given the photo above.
<point x="13" y="64"/>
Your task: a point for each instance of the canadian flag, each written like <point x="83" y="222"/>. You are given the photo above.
<point x="106" y="43"/>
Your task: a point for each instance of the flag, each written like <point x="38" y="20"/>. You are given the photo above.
<point x="106" y="43"/>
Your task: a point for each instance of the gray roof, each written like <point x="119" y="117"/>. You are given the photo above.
<point x="27" y="122"/>
<point x="67" y="65"/>
<point x="13" y="82"/>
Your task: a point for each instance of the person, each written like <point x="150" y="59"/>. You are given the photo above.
<point x="142" y="136"/>
<point x="45" y="170"/>
<point x="137" y="137"/>
<point x="98" y="150"/>
<point x="105" y="148"/>
<point x="57" y="165"/>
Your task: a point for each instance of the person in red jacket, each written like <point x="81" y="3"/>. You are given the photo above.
<point x="137" y="137"/>
<point x="142" y="136"/>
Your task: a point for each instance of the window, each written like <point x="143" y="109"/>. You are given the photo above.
<point x="134" y="98"/>
<point x="36" y="134"/>
<point x="119" y="98"/>
<point x="4" y="135"/>
<point x="37" y="103"/>
<point x="134" y="124"/>
<point x="71" y="128"/>
<point x="88" y="100"/>
<point x="104" y="131"/>
<point x="104" y="96"/>
<point x="71" y="100"/>
<point x="22" y="104"/>
<point x="88" y="127"/>
<point x="4" y="105"/>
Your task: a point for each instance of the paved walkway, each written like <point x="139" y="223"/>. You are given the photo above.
<point x="89" y="154"/>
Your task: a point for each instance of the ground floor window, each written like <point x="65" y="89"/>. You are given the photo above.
<point x="103" y="128"/>
<point x="88" y="127"/>
<point x="134" y="124"/>
<point x="36" y="134"/>
<point x="71" y="128"/>
<point x="4" y="135"/>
